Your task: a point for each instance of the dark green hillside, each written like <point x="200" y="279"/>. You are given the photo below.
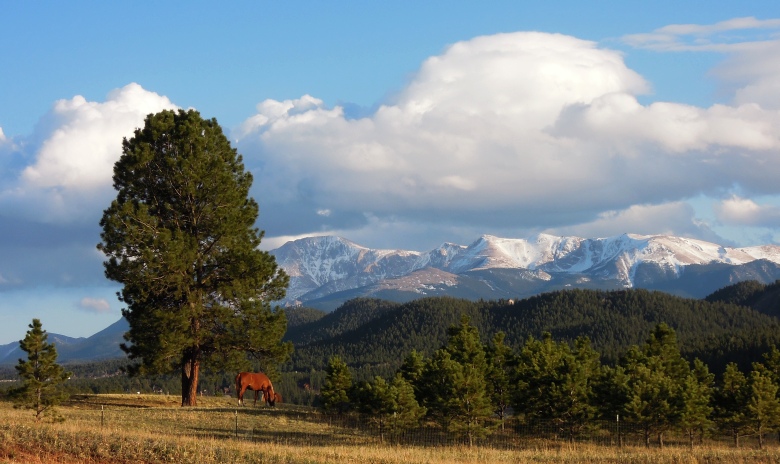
<point x="349" y="316"/>
<point x="302" y="315"/>
<point x="389" y="336"/>
<point x="615" y="320"/>
<point x="716" y="332"/>
<point x="764" y="298"/>
<point x="741" y="293"/>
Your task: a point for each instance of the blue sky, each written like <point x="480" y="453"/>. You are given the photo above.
<point x="393" y="124"/>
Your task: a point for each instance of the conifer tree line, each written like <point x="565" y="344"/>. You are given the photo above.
<point x="472" y="388"/>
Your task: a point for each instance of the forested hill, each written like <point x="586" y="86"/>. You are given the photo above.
<point x="763" y="298"/>
<point x="307" y="325"/>
<point x="377" y="333"/>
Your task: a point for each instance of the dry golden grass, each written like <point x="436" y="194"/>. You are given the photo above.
<point x="154" y="429"/>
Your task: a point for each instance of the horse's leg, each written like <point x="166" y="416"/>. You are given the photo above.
<point x="257" y="392"/>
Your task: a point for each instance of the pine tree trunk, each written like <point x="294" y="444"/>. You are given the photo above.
<point x="189" y="380"/>
<point x="38" y="404"/>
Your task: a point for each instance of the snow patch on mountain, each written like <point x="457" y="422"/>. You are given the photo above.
<point x="318" y="266"/>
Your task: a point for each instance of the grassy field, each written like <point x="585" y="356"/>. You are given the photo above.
<point x="154" y="429"/>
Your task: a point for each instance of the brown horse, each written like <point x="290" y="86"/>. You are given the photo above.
<point x="257" y="382"/>
<point x="277" y="398"/>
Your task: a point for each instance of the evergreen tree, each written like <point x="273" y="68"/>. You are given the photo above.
<point x="583" y="377"/>
<point x="40" y="373"/>
<point x="556" y="384"/>
<point x="501" y="361"/>
<point x="465" y="346"/>
<point x="181" y="239"/>
<point x="455" y="379"/>
<point x="763" y="405"/>
<point x="771" y="364"/>
<point x="412" y="370"/>
<point x="436" y="385"/>
<point x="335" y="389"/>
<point x="377" y="400"/>
<point x="697" y="399"/>
<point x="612" y="392"/>
<point x="408" y="412"/>
<point x="731" y="402"/>
<point x="656" y="375"/>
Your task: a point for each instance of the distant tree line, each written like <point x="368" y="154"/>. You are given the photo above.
<point x="468" y="387"/>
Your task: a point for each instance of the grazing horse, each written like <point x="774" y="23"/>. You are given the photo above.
<point x="257" y="382"/>
<point x="277" y="398"/>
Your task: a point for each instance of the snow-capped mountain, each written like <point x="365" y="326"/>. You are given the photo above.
<point x="325" y="271"/>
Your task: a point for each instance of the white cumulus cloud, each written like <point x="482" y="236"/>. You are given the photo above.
<point x="82" y="139"/>
<point x="513" y="130"/>
<point x="746" y="212"/>
<point x="96" y="305"/>
<point x="675" y="218"/>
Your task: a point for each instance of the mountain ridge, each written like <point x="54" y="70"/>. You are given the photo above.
<point x="327" y="271"/>
<point x="101" y="345"/>
<point x="321" y="268"/>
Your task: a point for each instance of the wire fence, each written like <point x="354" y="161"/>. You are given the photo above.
<point x="514" y="434"/>
<point x="288" y="424"/>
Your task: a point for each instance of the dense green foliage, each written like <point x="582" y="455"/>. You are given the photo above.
<point x="181" y="239"/>
<point x="351" y="316"/>
<point x="553" y="382"/>
<point x="741" y="293"/>
<point x="715" y="332"/>
<point x="763" y="298"/>
<point x="41" y="375"/>
<point x="302" y="315"/>
<point x="653" y="388"/>
<point x="335" y="390"/>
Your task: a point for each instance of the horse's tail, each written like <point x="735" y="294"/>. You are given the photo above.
<point x="238" y="388"/>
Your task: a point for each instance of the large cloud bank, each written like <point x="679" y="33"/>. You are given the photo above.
<point x="522" y="130"/>
<point x="508" y="134"/>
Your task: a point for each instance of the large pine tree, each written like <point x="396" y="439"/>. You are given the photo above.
<point x="181" y="239"/>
